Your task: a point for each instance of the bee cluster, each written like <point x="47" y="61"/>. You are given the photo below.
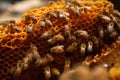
<point x="53" y="38"/>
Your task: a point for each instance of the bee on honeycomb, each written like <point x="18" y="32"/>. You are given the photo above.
<point x="50" y="35"/>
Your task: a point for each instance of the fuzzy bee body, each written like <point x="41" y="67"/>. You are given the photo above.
<point x="101" y="32"/>
<point x="18" y="69"/>
<point x="67" y="31"/>
<point x="83" y="49"/>
<point x="49" y="23"/>
<point x="38" y="62"/>
<point x="44" y="60"/>
<point x="110" y="27"/>
<point x="116" y="24"/>
<point x="26" y="60"/>
<point x="87" y="7"/>
<point x="106" y="12"/>
<point x="104" y="18"/>
<point x="117" y="13"/>
<point x="56" y="38"/>
<point x="18" y="72"/>
<point x="35" y="51"/>
<point x="114" y="34"/>
<point x="27" y="17"/>
<point x="47" y="72"/>
<point x="95" y="41"/>
<point x="55" y="72"/>
<point x="34" y="19"/>
<point x="67" y="14"/>
<point x="81" y="33"/>
<point x="25" y="66"/>
<point x="42" y="24"/>
<point x="29" y="28"/>
<point x="46" y="34"/>
<point x="67" y="65"/>
<point x="57" y="49"/>
<point x="49" y="57"/>
<point x="90" y="46"/>
<point x="61" y="15"/>
<point x="53" y="15"/>
<point x="72" y="47"/>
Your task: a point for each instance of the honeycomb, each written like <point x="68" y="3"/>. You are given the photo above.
<point x="50" y="40"/>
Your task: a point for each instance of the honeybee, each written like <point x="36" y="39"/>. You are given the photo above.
<point x="67" y="65"/>
<point x="49" y="23"/>
<point x="81" y="33"/>
<point x="72" y="47"/>
<point x="29" y="28"/>
<point x="57" y="11"/>
<point x="46" y="34"/>
<point x="56" y="38"/>
<point x="46" y="15"/>
<point x="55" y="72"/>
<point x="68" y="34"/>
<point x="19" y="67"/>
<point x="57" y="49"/>
<point x="18" y="71"/>
<point x="116" y="24"/>
<point x="25" y="66"/>
<point x="87" y="7"/>
<point x="30" y="57"/>
<point x="61" y="15"/>
<point x="104" y="18"/>
<point x="34" y="51"/>
<point x="82" y="10"/>
<point x="101" y="32"/>
<point x="114" y="35"/>
<point x="47" y="73"/>
<point x="83" y="48"/>
<point x="45" y="60"/>
<point x="67" y="31"/>
<point x="90" y="46"/>
<point x="27" y="17"/>
<point x="106" y="12"/>
<point x="42" y="24"/>
<point x="26" y="62"/>
<point x="20" y="64"/>
<point x="53" y="15"/>
<point x="110" y="27"/>
<point x="34" y="19"/>
<point x="49" y="58"/>
<point x="66" y="13"/>
<point x="117" y="13"/>
<point x="72" y="8"/>
<point x="95" y="41"/>
<point x="38" y="62"/>
<point x="77" y="14"/>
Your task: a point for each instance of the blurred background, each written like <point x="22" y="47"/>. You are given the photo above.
<point x="13" y="9"/>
